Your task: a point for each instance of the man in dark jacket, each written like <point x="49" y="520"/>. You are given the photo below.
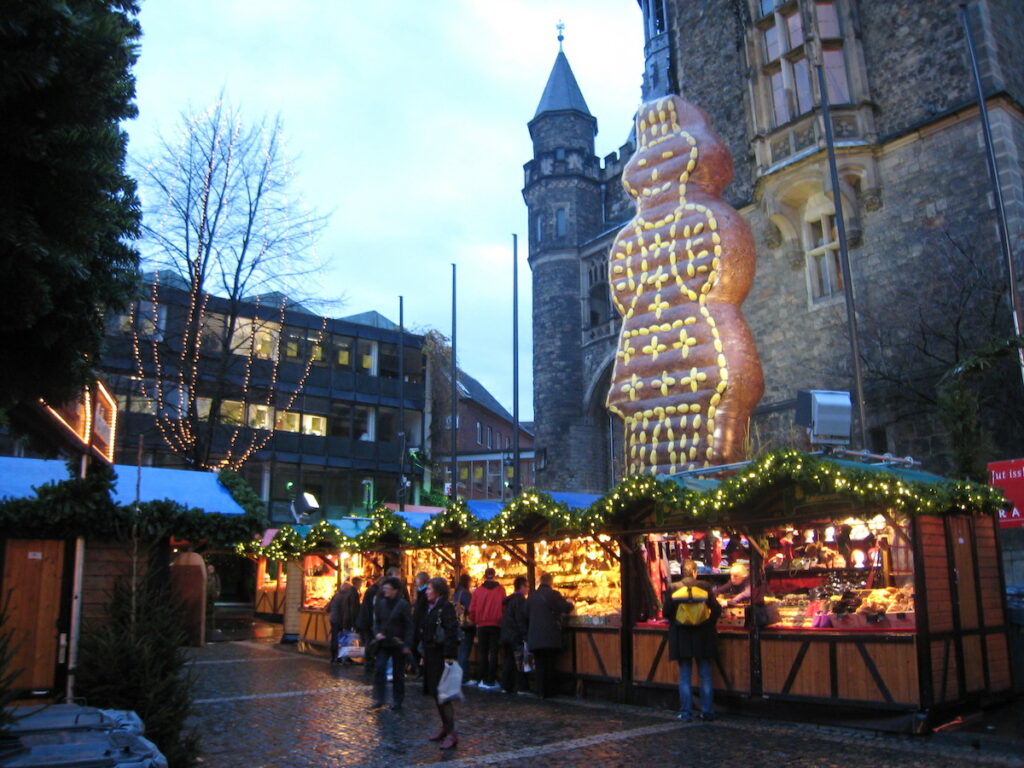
<point x="392" y="634"/>
<point x="513" y="635"/>
<point x="544" y="609"/>
<point x="485" y="614"/>
<point x="692" y="613"/>
<point x="364" y="623"/>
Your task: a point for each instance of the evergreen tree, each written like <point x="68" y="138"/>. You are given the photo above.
<point x="68" y="212"/>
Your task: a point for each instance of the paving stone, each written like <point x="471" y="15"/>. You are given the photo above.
<point x="265" y="706"/>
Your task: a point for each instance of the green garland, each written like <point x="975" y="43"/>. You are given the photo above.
<point x="531" y="505"/>
<point x="456" y="522"/>
<point x="643" y="494"/>
<point x="84" y="507"/>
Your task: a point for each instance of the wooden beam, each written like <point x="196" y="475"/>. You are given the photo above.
<point x="444" y="556"/>
<point x="607" y="548"/>
<point x="518" y="554"/>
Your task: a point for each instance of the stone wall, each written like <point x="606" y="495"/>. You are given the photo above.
<point x="711" y="68"/>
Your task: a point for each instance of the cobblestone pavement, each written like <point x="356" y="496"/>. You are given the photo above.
<point x="264" y="706"/>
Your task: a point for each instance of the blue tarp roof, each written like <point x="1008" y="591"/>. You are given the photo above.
<point x="485" y="510"/>
<point x="18" y="478"/>
<point x="415" y="519"/>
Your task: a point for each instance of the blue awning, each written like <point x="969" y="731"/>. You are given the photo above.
<point x="202" y="490"/>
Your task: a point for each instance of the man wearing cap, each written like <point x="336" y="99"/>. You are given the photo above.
<point x="485" y="609"/>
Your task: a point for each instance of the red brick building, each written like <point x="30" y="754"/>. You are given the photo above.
<point x="484" y="446"/>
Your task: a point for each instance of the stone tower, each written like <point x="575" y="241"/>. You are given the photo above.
<point x="563" y="193"/>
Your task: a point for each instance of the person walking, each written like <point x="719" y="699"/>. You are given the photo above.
<point x="485" y="615"/>
<point x="440" y="644"/>
<point x="545" y="609"/>
<point x="514" y="621"/>
<point x="461" y="600"/>
<point x="341" y="615"/>
<point x="692" y="612"/>
<point x="392" y="634"/>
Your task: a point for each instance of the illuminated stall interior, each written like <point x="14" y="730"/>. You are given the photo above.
<point x="843" y="573"/>
<point x="322" y="573"/>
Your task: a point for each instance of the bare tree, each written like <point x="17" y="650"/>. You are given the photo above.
<point x="916" y="337"/>
<point x="223" y="224"/>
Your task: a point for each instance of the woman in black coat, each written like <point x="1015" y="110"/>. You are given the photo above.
<point x="440" y="646"/>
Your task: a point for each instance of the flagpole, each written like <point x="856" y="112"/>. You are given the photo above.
<point x="453" y="491"/>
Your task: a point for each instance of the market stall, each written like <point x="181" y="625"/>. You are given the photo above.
<point x="854" y="606"/>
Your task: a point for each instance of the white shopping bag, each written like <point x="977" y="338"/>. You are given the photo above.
<point x="450" y="687"/>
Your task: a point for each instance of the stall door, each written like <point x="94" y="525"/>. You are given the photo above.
<point x="961" y="544"/>
<point x="32" y="578"/>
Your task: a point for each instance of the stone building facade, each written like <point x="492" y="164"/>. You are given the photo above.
<point x="927" y="275"/>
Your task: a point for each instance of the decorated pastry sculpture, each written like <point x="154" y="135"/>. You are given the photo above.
<point x="686" y="376"/>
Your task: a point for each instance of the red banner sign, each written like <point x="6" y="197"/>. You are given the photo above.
<point x="1009" y="475"/>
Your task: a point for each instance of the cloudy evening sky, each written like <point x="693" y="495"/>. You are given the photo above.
<point x="407" y="123"/>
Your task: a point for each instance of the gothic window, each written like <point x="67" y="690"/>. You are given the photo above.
<point x="538" y="225"/>
<point x="560" y="222"/>
<point x="786" y="56"/>
<point x="821" y="244"/>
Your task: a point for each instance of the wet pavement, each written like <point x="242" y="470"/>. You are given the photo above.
<point x="263" y="705"/>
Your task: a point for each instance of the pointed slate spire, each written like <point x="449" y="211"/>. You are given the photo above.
<point x="562" y="92"/>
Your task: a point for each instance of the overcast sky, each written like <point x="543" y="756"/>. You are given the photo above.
<point x="407" y="123"/>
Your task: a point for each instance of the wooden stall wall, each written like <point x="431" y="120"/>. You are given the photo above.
<point x="731" y="671"/>
<point x="992" y="588"/>
<point x="105" y="563"/>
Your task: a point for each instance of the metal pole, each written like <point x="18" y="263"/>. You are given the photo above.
<point x="997" y="190"/>
<point x="515" y="367"/>
<point x="844" y="260"/>
<point x="401" y="404"/>
<point x="453" y="493"/>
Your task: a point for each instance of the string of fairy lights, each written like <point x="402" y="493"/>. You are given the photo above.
<point x="178" y="429"/>
<point x="535" y="511"/>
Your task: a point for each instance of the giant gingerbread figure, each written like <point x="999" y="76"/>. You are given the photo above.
<point x="686" y="376"/>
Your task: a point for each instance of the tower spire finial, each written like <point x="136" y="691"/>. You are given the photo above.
<point x="560" y="26"/>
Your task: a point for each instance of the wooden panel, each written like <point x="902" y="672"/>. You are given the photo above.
<point x="734" y="658"/>
<point x="606" y="661"/>
<point x="998" y="663"/>
<point x="963" y="559"/>
<point x="32" y="577"/>
<point x="105" y="563"/>
<point x="988" y="572"/>
<point x="645" y="651"/>
<point x="894" y="663"/>
<point x="778" y="666"/>
<point x="935" y="567"/>
<point x="315" y="627"/>
<point x="944" y="676"/>
<point x="974" y="664"/>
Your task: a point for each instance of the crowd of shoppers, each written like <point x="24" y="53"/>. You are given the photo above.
<point x="435" y="627"/>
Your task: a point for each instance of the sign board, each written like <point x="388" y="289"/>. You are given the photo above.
<point x="1009" y="475"/>
<point x="90" y="420"/>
